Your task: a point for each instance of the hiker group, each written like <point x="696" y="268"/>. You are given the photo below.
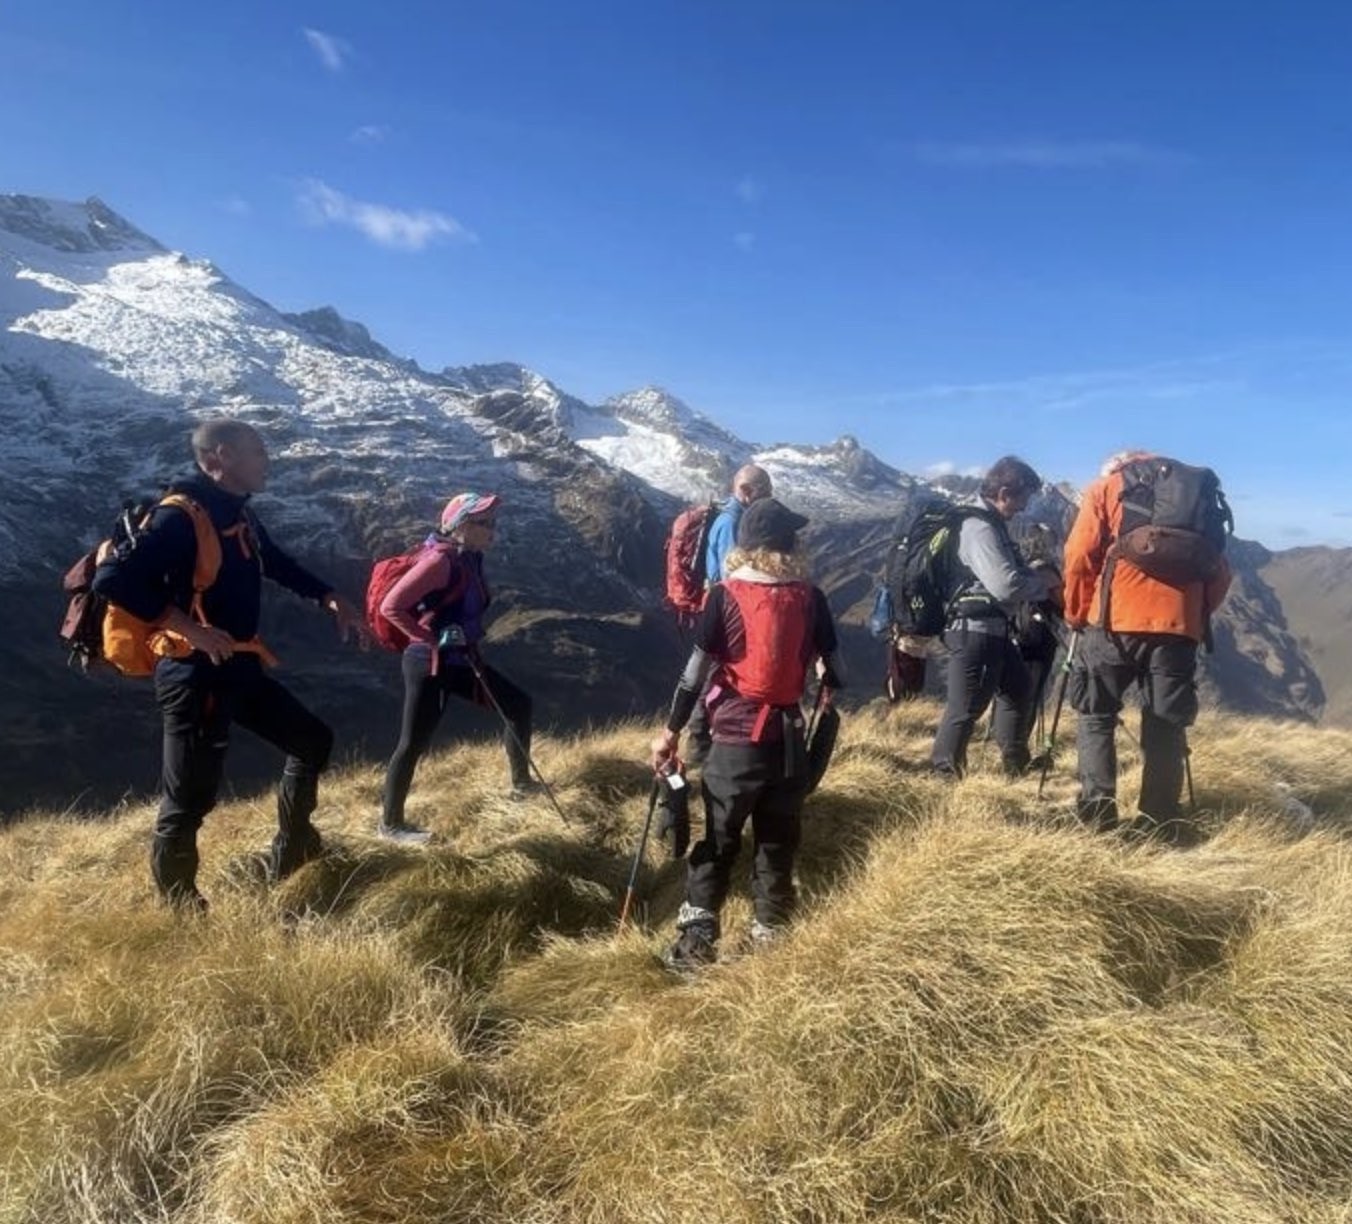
<point x="1128" y="607"/>
<point x="175" y="594"/>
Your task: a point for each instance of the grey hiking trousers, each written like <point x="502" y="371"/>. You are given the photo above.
<point x="984" y="664"/>
<point x="1164" y="665"/>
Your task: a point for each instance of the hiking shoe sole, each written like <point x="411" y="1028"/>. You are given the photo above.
<point x="403" y="835"/>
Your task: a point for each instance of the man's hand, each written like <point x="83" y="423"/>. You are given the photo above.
<point x="663" y="749"/>
<point x="351" y="622"/>
<point x="216" y="644"/>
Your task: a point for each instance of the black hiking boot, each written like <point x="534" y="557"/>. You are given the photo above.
<point x="1178" y="832"/>
<point x="292" y="850"/>
<point x="173" y="864"/>
<point x="696" y="945"/>
<point x="1099" y="814"/>
<point x="187" y="902"/>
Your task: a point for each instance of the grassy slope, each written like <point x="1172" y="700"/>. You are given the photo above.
<point x="983" y="1015"/>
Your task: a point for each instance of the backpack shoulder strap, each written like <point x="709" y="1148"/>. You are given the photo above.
<point x="208" y="563"/>
<point x="457" y="577"/>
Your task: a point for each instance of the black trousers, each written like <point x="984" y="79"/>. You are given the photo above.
<point x="742" y="781"/>
<point x="982" y="666"/>
<point x="425" y="697"/>
<point x="1165" y="667"/>
<point x="199" y="702"/>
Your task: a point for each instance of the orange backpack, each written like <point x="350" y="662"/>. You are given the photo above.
<point x="95" y="629"/>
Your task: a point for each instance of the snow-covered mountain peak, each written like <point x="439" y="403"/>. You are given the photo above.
<point x="69" y="226"/>
<point x="554" y="405"/>
<point x="653" y="407"/>
<point x="343" y="335"/>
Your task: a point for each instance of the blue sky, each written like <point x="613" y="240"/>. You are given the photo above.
<point x="953" y="231"/>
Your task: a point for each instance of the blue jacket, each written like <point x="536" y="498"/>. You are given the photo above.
<point x="722" y="538"/>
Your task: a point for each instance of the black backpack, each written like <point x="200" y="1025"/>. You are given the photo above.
<point x="921" y="567"/>
<point x="1175" y="521"/>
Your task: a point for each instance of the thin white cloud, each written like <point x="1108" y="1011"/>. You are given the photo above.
<point x="745" y="240"/>
<point x="1159" y="391"/>
<point x="369" y="134"/>
<point x="1181" y="380"/>
<point x="396" y="228"/>
<point x="332" y="51"/>
<point x="1047" y="155"/>
<point x="749" y="191"/>
<point x="946" y="467"/>
<point x="236" y="206"/>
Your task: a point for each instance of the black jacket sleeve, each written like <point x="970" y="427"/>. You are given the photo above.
<point x="157" y="572"/>
<point x="710" y="633"/>
<point x="286" y="571"/>
<point x="825" y="640"/>
<point x="708" y="648"/>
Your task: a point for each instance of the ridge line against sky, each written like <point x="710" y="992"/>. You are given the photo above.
<point x="1051" y="231"/>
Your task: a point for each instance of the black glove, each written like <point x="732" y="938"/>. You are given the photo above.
<point x="673" y="804"/>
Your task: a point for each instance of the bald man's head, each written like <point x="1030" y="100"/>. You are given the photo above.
<point x="751" y="484"/>
<point x="215" y="432"/>
<point x="232" y="453"/>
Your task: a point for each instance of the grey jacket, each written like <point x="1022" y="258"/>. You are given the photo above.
<point x="995" y="574"/>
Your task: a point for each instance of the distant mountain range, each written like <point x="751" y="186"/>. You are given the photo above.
<point x="111" y="346"/>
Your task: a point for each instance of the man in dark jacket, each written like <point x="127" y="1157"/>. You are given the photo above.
<point x="992" y="580"/>
<point x="216" y="677"/>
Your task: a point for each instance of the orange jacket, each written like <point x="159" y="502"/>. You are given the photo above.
<point x="1139" y="603"/>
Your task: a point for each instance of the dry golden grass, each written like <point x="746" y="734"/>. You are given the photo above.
<point x="984" y="1013"/>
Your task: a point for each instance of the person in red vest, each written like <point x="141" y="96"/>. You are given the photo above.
<point x="763" y="628"/>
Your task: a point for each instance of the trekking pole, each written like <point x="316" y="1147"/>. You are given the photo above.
<point x="1056" y="712"/>
<point x="638" y="854"/>
<point x="516" y="739"/>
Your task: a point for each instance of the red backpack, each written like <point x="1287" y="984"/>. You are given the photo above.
<point x="777" y="619"/>
<point x="685" y="548"/>
<point x="385" y="573"/>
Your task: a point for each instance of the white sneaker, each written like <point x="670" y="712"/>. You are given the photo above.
<point x="762" y="936"/>
<point x="404" y="834"/>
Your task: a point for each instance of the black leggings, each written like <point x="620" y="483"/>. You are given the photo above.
<point x="425" y="698"/>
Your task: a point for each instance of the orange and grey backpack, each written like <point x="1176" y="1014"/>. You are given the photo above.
<point x="95" y="630"/>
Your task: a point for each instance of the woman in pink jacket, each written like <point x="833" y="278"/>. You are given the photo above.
<point x="440" y="603"/>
